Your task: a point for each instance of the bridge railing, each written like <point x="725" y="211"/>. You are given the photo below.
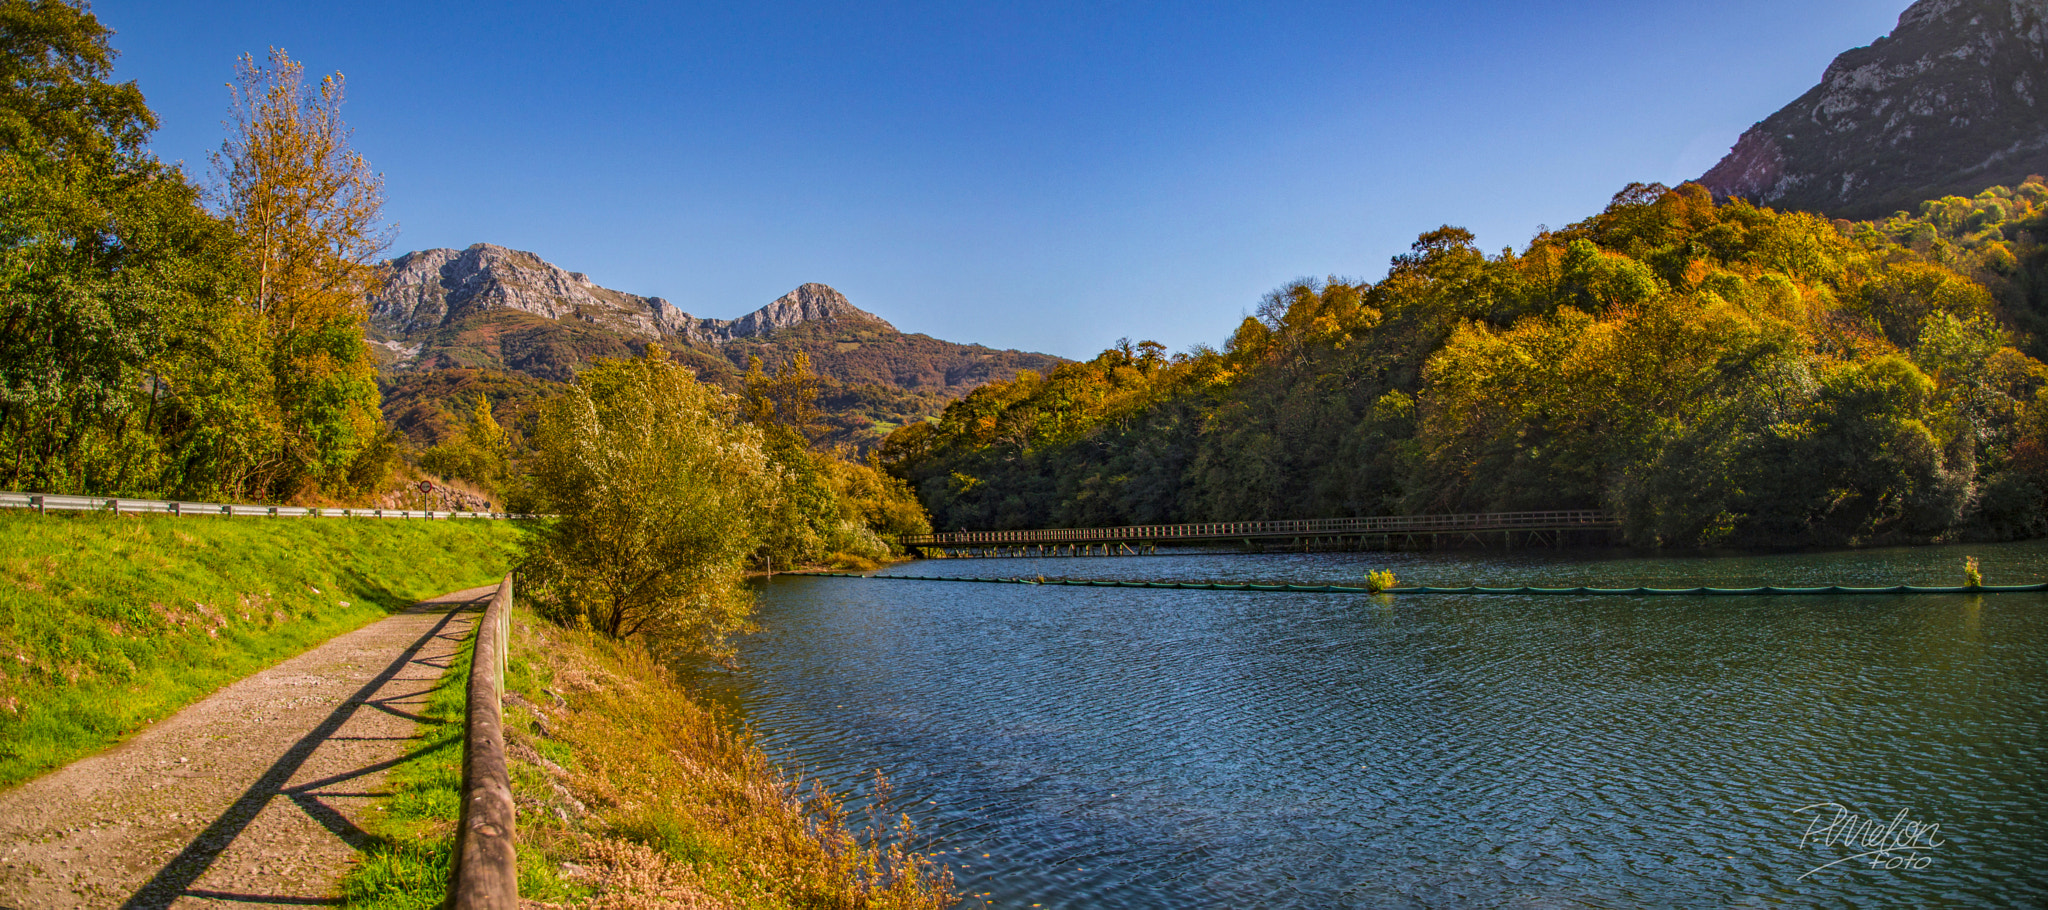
<point x="1218" y="530"/>
<point x="40" y="502"/>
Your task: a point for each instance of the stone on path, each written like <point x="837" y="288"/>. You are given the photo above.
<point x="254" y="796"/>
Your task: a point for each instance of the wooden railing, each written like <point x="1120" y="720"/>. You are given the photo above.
<point x="1568" y="519"/>
<point x="44" y="502"/>
<point x="486" y="868"/>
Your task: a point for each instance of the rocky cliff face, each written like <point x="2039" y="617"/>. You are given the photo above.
<point x="436" y="289"/>
<point x="1955" y="99"/>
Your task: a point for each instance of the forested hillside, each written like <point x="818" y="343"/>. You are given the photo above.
<point x="1715" y="374"/>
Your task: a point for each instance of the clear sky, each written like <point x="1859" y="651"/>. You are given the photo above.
<point x="1047" y="176"/>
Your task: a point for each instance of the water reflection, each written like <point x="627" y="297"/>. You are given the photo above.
<point x="1133" y="748"/>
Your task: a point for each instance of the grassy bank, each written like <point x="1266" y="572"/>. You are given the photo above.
<point x="632" y="794"/>
<point x="108" y="623"/>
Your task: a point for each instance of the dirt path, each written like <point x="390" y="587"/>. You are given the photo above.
<point x="250" y="797"/>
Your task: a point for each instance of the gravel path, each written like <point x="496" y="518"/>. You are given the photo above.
<point x="251" y="797"/>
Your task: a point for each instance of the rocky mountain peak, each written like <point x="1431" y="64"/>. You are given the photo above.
<point x="431" y="289"/>
<point x="808" y="303"/>
<point x="451" y="324"/>
<point x="1953" y="100"/>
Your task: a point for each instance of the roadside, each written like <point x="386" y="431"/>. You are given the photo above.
<point x="257" y="795"/>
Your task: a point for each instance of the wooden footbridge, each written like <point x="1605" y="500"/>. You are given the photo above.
<point x="1403" y="532"/>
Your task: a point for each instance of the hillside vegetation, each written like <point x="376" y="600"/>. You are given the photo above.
<point x="1714" y="374"/>
<point x="108" y="623"/>
<point x="633" y="793"/>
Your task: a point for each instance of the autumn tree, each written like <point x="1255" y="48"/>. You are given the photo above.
<point x="661" y="495"/>
<point x="480" y="452"/>
<point x="308" y="209"/>
<point x="832" y="508"/>
<point x="786" y="403"/>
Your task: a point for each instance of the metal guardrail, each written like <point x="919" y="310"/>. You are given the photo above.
<point x="486" y="867"/>
<point x="1231" y="530"/>
<point x="50" y="502"/>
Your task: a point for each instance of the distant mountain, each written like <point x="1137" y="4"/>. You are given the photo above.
<point x="496" y="321"/>
<point x="1955" y="99"/>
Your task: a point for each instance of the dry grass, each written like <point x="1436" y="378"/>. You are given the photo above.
<point x="632" y="793"/>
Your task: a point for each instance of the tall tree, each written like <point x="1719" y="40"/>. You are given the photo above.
<point x="309" y="211"/>
<point x="785" y="404"/>
<point x="123" y="366"/>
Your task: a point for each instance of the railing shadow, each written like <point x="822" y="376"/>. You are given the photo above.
<point x="176" y="878"/>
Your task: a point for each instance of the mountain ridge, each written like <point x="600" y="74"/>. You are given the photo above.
<point x="428" y="289"/>
<point x="506" y="323"/>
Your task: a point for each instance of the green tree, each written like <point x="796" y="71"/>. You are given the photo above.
<point x="54" y="61"/>
<point x="661" y="494"/>
<point x="124" y="365"/>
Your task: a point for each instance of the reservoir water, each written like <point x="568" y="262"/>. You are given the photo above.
<point x="1083" y="747"/>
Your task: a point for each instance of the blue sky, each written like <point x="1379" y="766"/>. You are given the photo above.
<point x="1044" y="176"/>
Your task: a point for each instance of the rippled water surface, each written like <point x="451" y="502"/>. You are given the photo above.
<point x="1078" y="747"/>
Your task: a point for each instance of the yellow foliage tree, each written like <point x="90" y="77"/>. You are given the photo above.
<point x="308" y="209"/>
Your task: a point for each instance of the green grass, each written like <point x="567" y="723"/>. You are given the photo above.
<point x="409" y="863"/>
<point x="108" y="623"/>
